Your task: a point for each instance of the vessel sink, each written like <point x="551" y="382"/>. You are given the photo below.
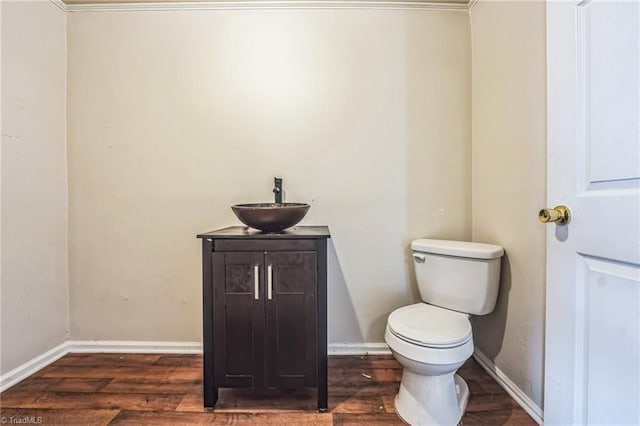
<point x="270" y="217"/>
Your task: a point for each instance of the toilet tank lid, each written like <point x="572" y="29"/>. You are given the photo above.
<point x="457" y="248"/>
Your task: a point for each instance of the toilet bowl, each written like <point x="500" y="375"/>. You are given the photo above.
<point x="430" y="350"/>
<point x="432" y="342"/>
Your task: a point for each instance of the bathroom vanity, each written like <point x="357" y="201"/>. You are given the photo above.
<point x="265" y="310"/>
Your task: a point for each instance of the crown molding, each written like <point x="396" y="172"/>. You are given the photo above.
<point x="61" y="5"/>
<point x="262" y="4"/>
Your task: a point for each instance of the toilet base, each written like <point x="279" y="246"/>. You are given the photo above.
<point x="431" y="400"/>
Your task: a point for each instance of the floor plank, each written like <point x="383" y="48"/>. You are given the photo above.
<point x="245" y="401"/>
<point x="125" y="372"/>
<point x="367" y="419"/>
<point x="361" y="361"/>
<point x="154" y="385"/>
<point x="35" y="384"/>
<point x="496" y="418"/>
<point x="490" y="402"/>
<point x="110" y="360"/>
<point x="175" y="360"/>
<point x="356" y="404"/>
<point x="188" y="418"/>
<point x="76" y="384"/>
<point x="366" y="389"/>
<point x="122" y="389"/>
<point x="90" y="400"/>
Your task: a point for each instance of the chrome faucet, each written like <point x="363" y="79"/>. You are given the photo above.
<point x="277" y="190"/>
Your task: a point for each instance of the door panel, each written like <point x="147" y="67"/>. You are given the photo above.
<point x="291" y="320"/>
<point x="238" y="319"/>
<point x="239" y="278"/>
<point x="291" y="334"/>
<point x="608" y="342"/>
<point x="239" y="336"/>
<point x="592" y="371"/>
<point x="608" y="74"/>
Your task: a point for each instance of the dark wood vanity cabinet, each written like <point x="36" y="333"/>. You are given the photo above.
<point x="265" y="310"/>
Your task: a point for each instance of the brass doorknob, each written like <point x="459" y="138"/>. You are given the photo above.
<point x="561" y="215"/>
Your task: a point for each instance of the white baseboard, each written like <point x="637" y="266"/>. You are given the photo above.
<point x="128" y="346"/>
<point x="143" y="347"/>
<point x="23" y="371"/>
<point x="133" y="347"/>
<point x="511" y="388"/>
<point x="358" y="349"/>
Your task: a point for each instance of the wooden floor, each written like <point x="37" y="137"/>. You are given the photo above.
<point x="125" y="389"/>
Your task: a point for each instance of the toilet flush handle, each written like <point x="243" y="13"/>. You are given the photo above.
<point x="418" y="258"/>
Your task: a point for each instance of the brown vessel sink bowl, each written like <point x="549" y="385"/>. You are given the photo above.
<point x="270" y="217"/>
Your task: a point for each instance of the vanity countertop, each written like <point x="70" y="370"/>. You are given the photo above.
<point x="234" y="232"/>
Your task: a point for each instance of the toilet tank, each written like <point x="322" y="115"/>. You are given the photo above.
<point x="458" y="275"/>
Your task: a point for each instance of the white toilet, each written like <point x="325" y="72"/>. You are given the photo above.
<point x="433" y="339"/>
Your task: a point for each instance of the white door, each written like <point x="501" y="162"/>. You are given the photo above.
<point x="592" y="360"/>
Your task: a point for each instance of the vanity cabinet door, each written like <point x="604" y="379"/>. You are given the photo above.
<point x="291" y="320"/>
<point x="238" y="319"/>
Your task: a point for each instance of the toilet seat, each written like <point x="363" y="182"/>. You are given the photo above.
<point x="430" y="326"/>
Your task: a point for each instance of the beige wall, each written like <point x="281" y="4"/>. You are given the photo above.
<point x="175" y="116"/>
<point x="508" y="179"/>
<point x="34" y="301"/>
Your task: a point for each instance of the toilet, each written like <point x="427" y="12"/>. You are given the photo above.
<point x="432" y="339"/>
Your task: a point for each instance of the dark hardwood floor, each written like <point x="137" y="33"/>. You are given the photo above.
<point x="125" y="389"/>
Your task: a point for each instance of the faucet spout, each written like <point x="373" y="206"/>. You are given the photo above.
<point x="277" y="190"/>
